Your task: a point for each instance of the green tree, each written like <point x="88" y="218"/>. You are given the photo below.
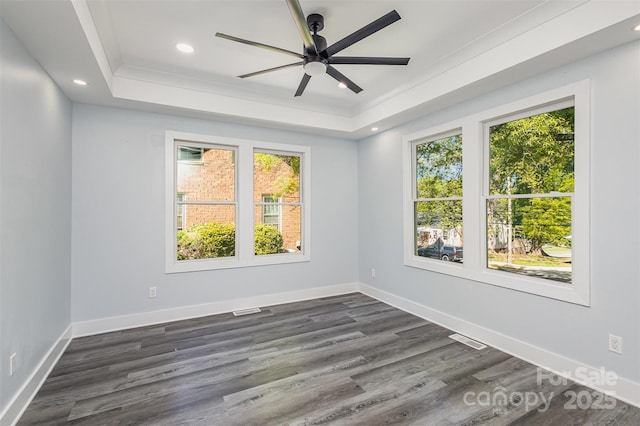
<point x="439" y="175"/>
<point x="548" y="220"/>
<point x="286" y="184"/>
<point x="533" y="155"/>
<point x="439" y="168"/>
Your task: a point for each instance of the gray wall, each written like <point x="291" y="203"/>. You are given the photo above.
<point x="118" y="217"/>
<point x="35" y="213"/>
<point x="577" y="332"/>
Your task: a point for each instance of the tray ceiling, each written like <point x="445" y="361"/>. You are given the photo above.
<point x="126" y="51"/>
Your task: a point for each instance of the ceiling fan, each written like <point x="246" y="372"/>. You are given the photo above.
<point x="317" y="58"/>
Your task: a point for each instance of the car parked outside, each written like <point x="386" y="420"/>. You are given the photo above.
<point x="442" y="251"/>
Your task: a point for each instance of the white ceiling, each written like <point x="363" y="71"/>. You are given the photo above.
<point x="125" y="49"/>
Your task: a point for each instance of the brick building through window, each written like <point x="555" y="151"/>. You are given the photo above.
<point x="209" y="175"/>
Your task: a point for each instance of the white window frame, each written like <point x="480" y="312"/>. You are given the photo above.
<point x="475" y="192"/>
<point x="414" y="184"/>
<point x="245" y="254"/>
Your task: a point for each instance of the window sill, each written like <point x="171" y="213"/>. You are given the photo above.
<point x="235" y="262"/>
<point x="536" y="286"/>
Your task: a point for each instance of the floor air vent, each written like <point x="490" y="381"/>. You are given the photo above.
<point x="469" y="342"/>
<point x="246" y="311"/>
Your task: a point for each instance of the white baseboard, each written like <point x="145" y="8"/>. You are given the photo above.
<point x="104" y="325"/>
<point x="12" y="413"/>
<point x="623" y="389"/>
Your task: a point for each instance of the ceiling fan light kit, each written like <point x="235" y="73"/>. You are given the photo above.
<point x="315" y="67"/>
<point x="317" y="58"/>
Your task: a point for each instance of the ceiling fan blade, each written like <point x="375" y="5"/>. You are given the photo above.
<point x="301" y="23"/>
<point x="343" y="79"/>
<point x="303" y="84"/>
<point x="281" y="67"/>
<point x="363" y="32"/>
<point x="363" y="60"/>
<point x="263" y="46"/>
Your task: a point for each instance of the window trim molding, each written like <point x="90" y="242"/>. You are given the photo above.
<point x="245" y="256"/>
<point x="473" y="205"/>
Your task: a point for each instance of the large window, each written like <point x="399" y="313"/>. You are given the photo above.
<point x="438" y="198"/>
<point x="280" y="211"/>
<point x="205" y="195"/>
<point x="520" y="175"/>
<point x="234" y="203"/>
<point x="530" y="185"/>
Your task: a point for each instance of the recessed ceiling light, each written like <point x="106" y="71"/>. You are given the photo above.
<point x="184" y="48"/>
<point x="342" y="85"/>
<point x="636" y="28"/>
<point x="374" y="129"/>
<point x="80" y="82"/>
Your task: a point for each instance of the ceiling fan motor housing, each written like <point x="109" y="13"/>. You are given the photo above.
<point x="315" y="21"/>
<point x="321" y="44"/>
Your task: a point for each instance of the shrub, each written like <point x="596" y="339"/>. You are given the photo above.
<point x="210" y="240"/>
<point x="268" y="240"/>
<point x="207" y="240"/>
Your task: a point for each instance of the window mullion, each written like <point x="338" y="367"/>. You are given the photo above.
<point x="532" y="195"/>
<point x="438" y="199"/>
<point x="244" y="194"/>
<point x="471" y="190"/>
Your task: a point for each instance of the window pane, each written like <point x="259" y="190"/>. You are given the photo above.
<point x="533" y="155"/>
<point x="438" y="226"/>
<point x="271" y="212"/>
<point x="209" y="232"/>
<point x="211" y="180"/>
<point x="530" y="236"/>
<point x="277" y="175"/>
<point x="271" y="239"/>
<point x="180" y="209"/>
<point x="189" y="153"/>
<point x="439" y="168"/>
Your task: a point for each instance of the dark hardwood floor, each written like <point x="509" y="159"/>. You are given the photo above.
<point x="348" y="360"/>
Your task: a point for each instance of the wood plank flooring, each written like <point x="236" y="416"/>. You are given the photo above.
<point x="344" y="360"/>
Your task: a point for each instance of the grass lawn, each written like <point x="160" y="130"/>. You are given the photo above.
<point x="555" y="249"/>
<point x="531" y="260"/>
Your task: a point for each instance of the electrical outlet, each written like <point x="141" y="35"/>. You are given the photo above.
<point x="13" y="364"/>
<point x="615" y="344"/>
<point x="373" y="272"/>
<point x="153" y="292"/>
